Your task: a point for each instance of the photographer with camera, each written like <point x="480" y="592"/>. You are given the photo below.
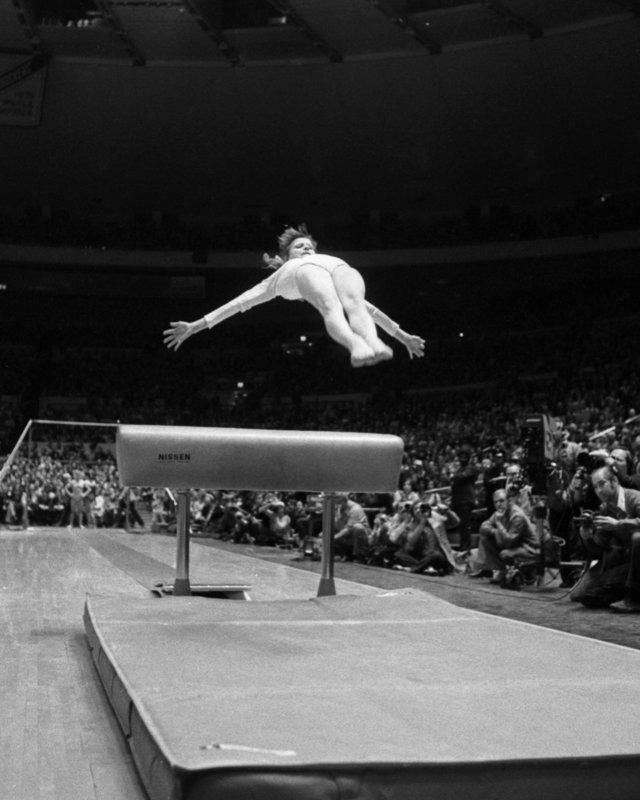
<point x="506" y="538"/>
<point x="568" y="491"/>
<point x="611" y="536"/>
<point x="516" y="485"/>
<point x="281" y="533"/>
<point x="406" y="494"/>
<point x="427" y="548"/>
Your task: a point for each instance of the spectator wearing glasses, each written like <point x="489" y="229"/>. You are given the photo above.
<point x="611" y="536"/>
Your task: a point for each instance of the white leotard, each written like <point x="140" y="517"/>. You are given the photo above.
<point x="286" y="276"/>
<point x="282" y="283"/>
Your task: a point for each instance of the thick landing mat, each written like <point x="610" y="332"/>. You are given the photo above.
<point x="397" y="696"/>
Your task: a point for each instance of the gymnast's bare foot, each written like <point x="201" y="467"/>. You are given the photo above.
<point x="361" y="355"/>
<point x="380" y="353"/>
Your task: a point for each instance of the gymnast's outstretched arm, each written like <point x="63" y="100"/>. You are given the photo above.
<point x="179" y="332"/>
<point x="414" y="344"/>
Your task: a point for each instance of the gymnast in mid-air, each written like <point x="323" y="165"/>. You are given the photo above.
<point x="330" y="285"/>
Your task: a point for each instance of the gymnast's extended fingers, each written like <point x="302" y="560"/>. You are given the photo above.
<point x="172" y="344"/>
<point x="415" y="346"/>
<point x="172" y="336"/>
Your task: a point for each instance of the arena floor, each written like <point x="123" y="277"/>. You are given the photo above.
<point x="60" y="738"/>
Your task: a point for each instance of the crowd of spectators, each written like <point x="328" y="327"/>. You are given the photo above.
<point x="460" y="413"/>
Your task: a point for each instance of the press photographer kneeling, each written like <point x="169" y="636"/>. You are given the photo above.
<point x="611" y="537"/>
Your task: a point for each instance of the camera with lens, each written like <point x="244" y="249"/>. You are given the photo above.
<point x="585" y="519"/>
<point x="516" y="484"/>
<point x="588" y="462"/>
<point x="425" y="508"/>
<point x="553" y="469"/>
<point x="581" y="474"/>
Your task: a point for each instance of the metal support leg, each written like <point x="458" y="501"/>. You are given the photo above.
<point x="327" y="585"/>
<point x="181" y="584"/>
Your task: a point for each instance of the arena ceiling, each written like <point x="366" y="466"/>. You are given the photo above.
<point x="201" y="108"/>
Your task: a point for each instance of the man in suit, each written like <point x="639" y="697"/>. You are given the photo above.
<point x="508" y="537"/>
<point x="611" y="537"/>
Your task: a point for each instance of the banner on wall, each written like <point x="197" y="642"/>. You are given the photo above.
<point x="22" y="81"/>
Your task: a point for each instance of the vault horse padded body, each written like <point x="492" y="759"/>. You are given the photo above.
<point x="184" y="457"/>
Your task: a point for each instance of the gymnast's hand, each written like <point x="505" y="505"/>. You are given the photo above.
<point x="177" y="334"/>
<point x="415" y="345"/>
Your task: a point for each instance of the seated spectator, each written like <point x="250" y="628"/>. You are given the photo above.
<point x="610" y="535"/>
<point x="630" y="603"/>
<point x="507" y="538"/>
<point x="49" y="510"/>
<point x="281" y="534"/>
<point x="406" y="494"/>
<point x="227" y="515"/>
<point x="389" y="535"/>
<point x="427" y="548"/>
<point x="248" y="528"/>
<point x="352" y="531"/>
<point x="379" y="540"/>
<point x="16" y="514"/>
<point x="159" y="510"/>
<point x="202" y="510"/>
<point x="300" y="518"/>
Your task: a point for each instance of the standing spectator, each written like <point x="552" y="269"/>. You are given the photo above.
<point x="89" y="490"/>
<point x="494" y="478"/>
<point x="128" y="514"/>
<point x="77" y="490"/>
<point x="463" y="495"/>
<point x="98" y="507"/>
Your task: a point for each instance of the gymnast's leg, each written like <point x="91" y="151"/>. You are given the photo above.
<point x="351" y="290"/>
<point x="317" y="288"/>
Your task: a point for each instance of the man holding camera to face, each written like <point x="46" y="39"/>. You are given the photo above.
<point x="428" y="548"/>
<point x="611" y="537"/>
